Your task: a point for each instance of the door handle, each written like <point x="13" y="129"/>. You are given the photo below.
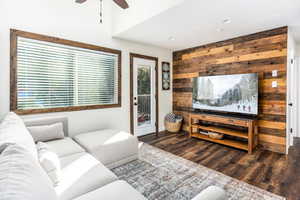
<point x="290" y="104"/>
<point x="135" y="103"/>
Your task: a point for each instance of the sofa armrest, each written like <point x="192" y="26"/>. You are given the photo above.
<point x="41" y="121"/>
<point x="211" y="193"/>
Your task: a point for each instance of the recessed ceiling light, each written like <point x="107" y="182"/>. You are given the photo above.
<point x="226" y="21"/>
<point x="171" y="38"/>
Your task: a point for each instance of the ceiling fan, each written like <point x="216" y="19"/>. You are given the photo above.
<point x="122" y="3"/>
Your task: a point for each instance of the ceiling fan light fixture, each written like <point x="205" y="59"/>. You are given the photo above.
<point x="122" y="3"/>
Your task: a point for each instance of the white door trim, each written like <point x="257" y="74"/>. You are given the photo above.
<point x="292" y="98"/>
<point x="132" y="56"/>
<point x="297" y="75"/>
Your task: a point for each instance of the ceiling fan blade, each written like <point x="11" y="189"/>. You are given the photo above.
<point x="80" y="1"/>
<point x="122" y="3"/>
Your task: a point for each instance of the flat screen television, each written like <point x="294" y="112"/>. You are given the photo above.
<point x="227" y="93"/>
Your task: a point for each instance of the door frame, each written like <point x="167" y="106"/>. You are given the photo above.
<point x="292" y="97"/>
<point x="297" y="65"/>
<point x="289" y="100"/>
<point x="132" y="56"/>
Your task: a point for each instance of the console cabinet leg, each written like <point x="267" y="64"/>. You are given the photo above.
<point x="190" y="128"/>
<point x="250" y="138"/>
<point x="256" y="134"/>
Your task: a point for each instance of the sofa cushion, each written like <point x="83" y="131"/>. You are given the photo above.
<point x="21" y="176"/>
<point x="110" y="146"/>
<point x="114" y="191"/>
<point x="46" y="132"/>
<point x="50" y="162"/>
<point x="211" y="193"/>
<point x="13" y="130"/>
<point x="82" y="173"/>
<point x="68" y="160"/>
<point x="65" y="147"/>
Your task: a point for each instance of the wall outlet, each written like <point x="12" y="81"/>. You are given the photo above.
<point x="274" y="84"/>
<point x="275" y="73"/>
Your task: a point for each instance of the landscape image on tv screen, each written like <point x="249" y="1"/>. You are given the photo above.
<point x="228" y="93"/>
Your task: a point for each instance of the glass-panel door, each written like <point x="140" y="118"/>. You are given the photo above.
<point x="144" y="96"/>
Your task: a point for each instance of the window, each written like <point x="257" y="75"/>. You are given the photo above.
<point x="50" y="74"/>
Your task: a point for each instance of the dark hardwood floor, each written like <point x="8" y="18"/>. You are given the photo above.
<point x="277" y="173"/>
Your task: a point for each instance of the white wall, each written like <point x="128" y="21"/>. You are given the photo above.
<point x="79" y="22"/>
<point x="139" y="11"/>
<point x="298" y="49"/>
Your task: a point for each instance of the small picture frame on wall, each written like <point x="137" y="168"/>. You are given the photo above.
<point x="165" y="75"/>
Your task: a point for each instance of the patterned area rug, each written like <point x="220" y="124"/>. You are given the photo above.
<point x="163" y="176"/>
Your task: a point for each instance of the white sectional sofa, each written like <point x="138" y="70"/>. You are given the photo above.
<point x="82" y="176"/>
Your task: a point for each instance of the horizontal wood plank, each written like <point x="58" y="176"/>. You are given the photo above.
<point x="254" y="56"/>
<point x="272" y="139"/>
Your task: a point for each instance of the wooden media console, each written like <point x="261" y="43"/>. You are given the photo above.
<point x="243" y="130"/>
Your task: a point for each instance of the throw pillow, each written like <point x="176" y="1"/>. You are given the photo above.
<point x="47" y="132"/>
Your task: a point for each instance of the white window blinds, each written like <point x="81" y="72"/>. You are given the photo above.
<point x="51" y="75"/>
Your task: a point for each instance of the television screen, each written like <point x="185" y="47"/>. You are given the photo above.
<point x="227" y="93"/>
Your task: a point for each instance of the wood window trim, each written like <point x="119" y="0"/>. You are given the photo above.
<point x="14" y="34"/>
<point x="132" y="56"/>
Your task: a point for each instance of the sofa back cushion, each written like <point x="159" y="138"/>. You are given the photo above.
<point x="21" y="176"/>
<point x="46" y="133"/>
<point x="13" y="131"/>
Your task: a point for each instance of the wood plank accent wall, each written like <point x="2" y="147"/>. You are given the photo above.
<point x="256" y="53"/>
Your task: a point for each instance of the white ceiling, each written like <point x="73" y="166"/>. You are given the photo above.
<point x="197" y="22"/>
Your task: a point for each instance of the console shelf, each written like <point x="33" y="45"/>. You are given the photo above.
<point x="249" y="136"/>
<point x="225" y="131"/>
<point x="232" y="143"/>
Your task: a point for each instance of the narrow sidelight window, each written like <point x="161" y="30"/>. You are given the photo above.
<point x="50" y="75"/>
